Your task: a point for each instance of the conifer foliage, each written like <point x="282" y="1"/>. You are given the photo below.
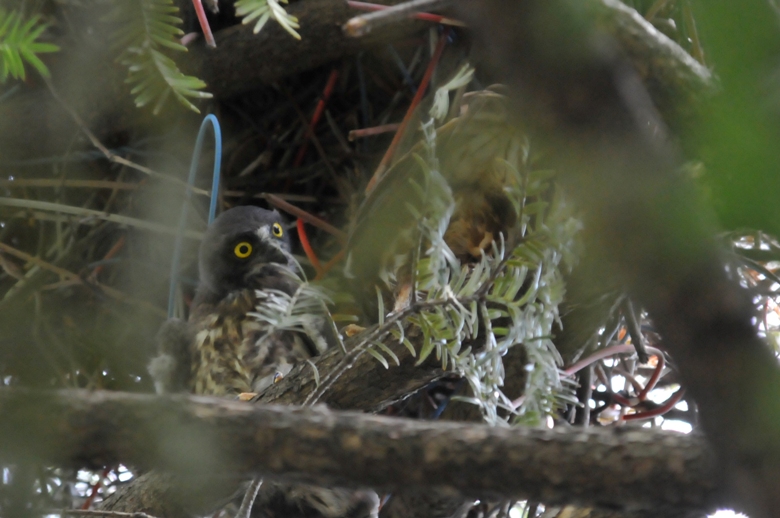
<point x="19" y="44"/>
<point x="146" y="30"/>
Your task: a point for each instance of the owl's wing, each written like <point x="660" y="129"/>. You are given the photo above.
<point x="170" y="369"/>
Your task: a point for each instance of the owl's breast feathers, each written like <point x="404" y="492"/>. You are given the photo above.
<point x="233" y="353"/>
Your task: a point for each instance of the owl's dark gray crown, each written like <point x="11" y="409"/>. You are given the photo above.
<point x="242" y="242"/>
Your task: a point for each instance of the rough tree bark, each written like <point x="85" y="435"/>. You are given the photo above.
<point x="159" y="494"/>
<point x="197" y="437"/>
<point x="573" y="86"/>
<point x="244" y="61"/>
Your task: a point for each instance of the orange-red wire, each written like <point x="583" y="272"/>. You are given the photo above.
<point x="415" y="102"/>
<point x="318" y="111"/>
<point x="307" y="247"/>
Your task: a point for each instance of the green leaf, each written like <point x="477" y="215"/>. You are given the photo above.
<point x="262" y="11"/>
<point x="147" y="28"/>
<point x="427" y="348"/>
<point x="381" y="359"/>
<point x="409" y="346"/>
<point x="18" y="44"/>
<point x="380" y="302"/>
<point x="388" y="352"/>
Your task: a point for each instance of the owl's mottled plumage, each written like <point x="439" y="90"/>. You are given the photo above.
<point x="222" y="350"/>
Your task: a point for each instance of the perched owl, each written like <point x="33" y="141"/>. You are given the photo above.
<point x="223" y="350"/>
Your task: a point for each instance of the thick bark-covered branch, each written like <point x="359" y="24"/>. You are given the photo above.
<point x="366" y="386"/>
<point x="196" y="437"/>
<point x="676" y="82"/>
<point x="244" y="61"/>
<point x="572" y="84"/>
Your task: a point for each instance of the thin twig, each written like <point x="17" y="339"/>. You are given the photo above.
<point x="362" y="25"/>
<point x="245" y="510"/>
<point x="384" y="164"/>
<point x="315" y="140"/>
<point x="599" y="355"/>
<point x="98" y="512"/>
<point x="89" y="213"/>
<point x="94" y="489"/>
<point x="308" y="250"/>
<point x="107" y="152"/>
<point x="111" y="292"/>
<point x="330" y="264"/>
<point x="634" y="331"/>
<point x="370" y="132"/>
<point x="357" y="24"/>
<point x="318" y="111"/>
<point x="279" y="203"/>
<point x="87" y="184"/>
<point x="204" y="23"/>
<point x="660" y="410"/>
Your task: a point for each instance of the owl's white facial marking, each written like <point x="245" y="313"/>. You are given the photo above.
<point x="264" y="233"/>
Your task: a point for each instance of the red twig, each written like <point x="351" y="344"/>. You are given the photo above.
<point x="650" y="385"/>
<point x="307" y="247"/>
<point x="661" y="410"/>
<point x="309" y="218"/>
<point x="318" y="111"/>
<point x="110" y="255"/>
<point x="599" y="355"/>
<point x="330" y="264"/>
<point x="428" y="17"/>
<point x="415" y="102"/>
<point x="370" y="132"/>
<point x="94" y="489"/>
<point x="204" y="23"/>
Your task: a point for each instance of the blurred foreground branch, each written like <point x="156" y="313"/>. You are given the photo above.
<point x="574" y="86"/>
<point x="196" y="438"/>
<point x="160" y="494"/>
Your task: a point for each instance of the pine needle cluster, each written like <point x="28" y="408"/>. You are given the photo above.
<point x="260" y="11"/>
<point x="147" y="29"/>
<point x="469" y="315"/>
<point x="19" y="44"/>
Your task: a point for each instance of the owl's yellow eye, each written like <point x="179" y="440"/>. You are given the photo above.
<point x="243" y="250"/>
<point x="277" y="230"/>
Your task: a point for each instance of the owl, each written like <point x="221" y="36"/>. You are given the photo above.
<point x="223" y="350"/>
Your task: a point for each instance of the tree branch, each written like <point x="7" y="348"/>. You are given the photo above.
<point x="160" y="494"/>
<point x="197" y="437"/>
<point x="243" y="61"/>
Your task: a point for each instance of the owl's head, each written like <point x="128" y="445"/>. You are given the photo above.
<point x="238" y="244"/>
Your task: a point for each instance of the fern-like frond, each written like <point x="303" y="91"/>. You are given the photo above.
<point x="263" y="10"/>
<point x="147" y="28"/>
<point x="19" y="45"/>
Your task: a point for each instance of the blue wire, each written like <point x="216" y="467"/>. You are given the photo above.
<point x="176" y="260"/>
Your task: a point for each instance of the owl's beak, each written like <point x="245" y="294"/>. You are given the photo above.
<point x="273" y="252"/>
